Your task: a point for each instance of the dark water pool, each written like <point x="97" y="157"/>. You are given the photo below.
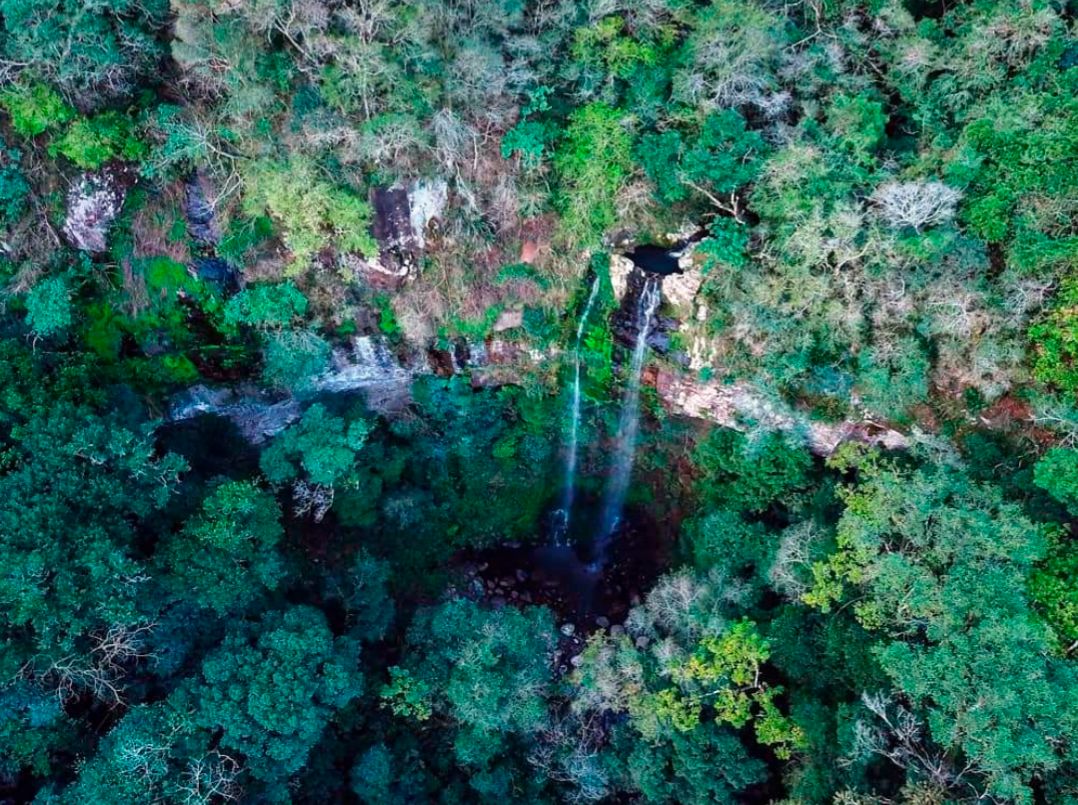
<point x="655" y="259"/>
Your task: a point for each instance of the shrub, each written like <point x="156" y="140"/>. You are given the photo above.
<point x="35" y="108"/>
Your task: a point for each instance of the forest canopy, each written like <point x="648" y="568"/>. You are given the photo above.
<point x="539" y="401"/>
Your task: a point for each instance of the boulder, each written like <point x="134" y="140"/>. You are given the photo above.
<point x="402" y="216"/>
<point x="680" y="290"/>
<point x="508" y="320"/>
<point x="93" y="202"/>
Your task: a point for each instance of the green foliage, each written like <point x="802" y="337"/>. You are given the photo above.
<point x="265" y="305"/>
<point x="312" y="211"/>
<point x="487" y="669"/>
<point x="90" y="142"/>
<point x="919" y="556"/>
<point x="724" y="539"/>
<point x="748" y="476"/>
<point x="725" y="247"/>
<point x="1054" y="341"/>
<point x="294" y="358"/>
<point x="272" y="687"/>
<point x="1021" y="166"/>
<point x="407" y="696"/>
<point x="35" y="108"/>
<point x="531" y="139"/>
<point x="1053" y="587"/>
<point x="1057" y="474"/>
<point x="320" y="448"/>
<point x="66" y="469"/>
<point x="14" y="188"/>
<point x="225" y="557"/>
<point x="857" y="122"/>
<point x="659" y="153"/>
<point x="48" y="307"/>
<point x="593" y="161"/>
<point x="893" y="377"/>
<point x="725" y="155"/>
<point x="93" y="52"/>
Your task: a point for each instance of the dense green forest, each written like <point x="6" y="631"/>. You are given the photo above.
<point x="539" y="401"/>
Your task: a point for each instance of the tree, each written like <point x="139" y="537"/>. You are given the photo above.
<point x="266" y="306"/>
<point x="71" y="471"/>
<point x="936" y="566"/>
<point x="272" y="687"/>
<point x="915" y="204"/>
<point x="48" y="307"/>
<point x="94" y="53"/>
<point x="487" y="670"/>
<point x="227" y="556"/>
<point x="593" y="161"/>
<point x="320" y="448"/>
<point x="312" y="211"/>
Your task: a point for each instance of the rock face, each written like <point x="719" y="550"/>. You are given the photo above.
<point x="508" y="320"/>
<point x="93" y="202"/>
<point x="620" y="269"/>
<point x="199" y="212"/>
<point x="402" y="216"/>
<point x="679" y="290"/>
<point x="366" y="363"/>
<point x="257" y="415"/>
<point x="732" y="405"/>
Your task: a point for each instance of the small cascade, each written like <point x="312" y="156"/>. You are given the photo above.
<point x="564" y="515"/>
<point x="368" y="363"/>
<point x="628" y="425"/>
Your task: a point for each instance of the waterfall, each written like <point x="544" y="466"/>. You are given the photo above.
<point x="564" y="514"/>
<point x="628" y="425"/>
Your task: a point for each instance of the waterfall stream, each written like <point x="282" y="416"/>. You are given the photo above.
<point x="628" y="425"/>
<point x="565" y="513"/>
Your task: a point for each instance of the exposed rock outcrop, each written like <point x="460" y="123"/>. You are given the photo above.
<point x="199" y="212"/>
<point x="620" y="269"/>
<point x="402" y="216"/>
<point x="508" y="320"/>
<point x="256" y="414"/>
<point x="93" y="202"/>
<point x="734" y="405"/>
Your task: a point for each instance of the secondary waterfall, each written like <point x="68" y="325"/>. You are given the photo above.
<point x="628" y="425"/>
<point x="565" y="513"/>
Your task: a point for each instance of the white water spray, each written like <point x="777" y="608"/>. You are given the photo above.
<point x="564" y="514"/>
<point x="628" y="425"/>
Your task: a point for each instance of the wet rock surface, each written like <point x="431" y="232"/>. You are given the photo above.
<point x="560" y="577"/>
<point x="199" y="211"/>
<point x="257" y="415"/>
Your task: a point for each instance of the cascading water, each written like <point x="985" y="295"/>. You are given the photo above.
<point x="628" y="425"/>
<point x="564" y="514"/>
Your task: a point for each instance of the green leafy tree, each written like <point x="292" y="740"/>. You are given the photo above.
<point x="936" y="566"/>
<point x="321" y="448"/>
<point x="93" y="52"/>
<point x="313" y="212"/>
<point x="748" y="476"/>
<point x="266" y="305"/>
<point x="90" y="142"/>
<point x="227" y="556"/>
<point x="272" y="687"/>
<point x="486" y="669"/>
<point x="35" y="108"/>
<point x="48" y="307"/>
<point x="1053" y="340"/>
<point x="594" y="161"/>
